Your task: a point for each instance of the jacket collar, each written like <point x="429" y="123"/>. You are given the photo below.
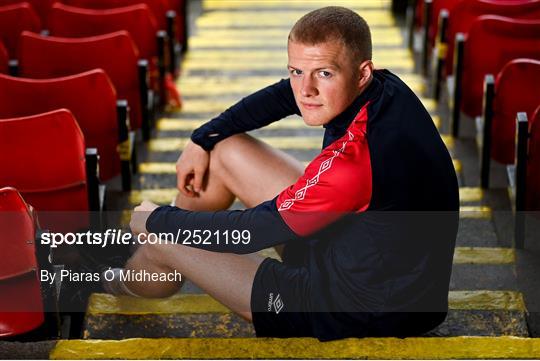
<point x="343" y="120"/>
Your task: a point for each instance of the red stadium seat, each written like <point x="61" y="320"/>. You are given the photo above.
<point x="426" y="16"/>
<point x="460" y="18"/>
<point x="524" y="176"/>
<point x="179" y="7"/>
<point x="4" y="59"/>
<point x="14" y="19"/>
<point x="21" y="306"/>
<point x="517" y="89"/>
<point x="48" y="167"/>
<point x="157" y="7"/>
<point x="49" y="57"/>
<point x="438" y="6"/>
<point x="41" y="7"/>
<point x="533" y="163"/>
<point x="70" y="21"/>
<point x="90" y="96"/>
<point x="514" y="90"/>
<point x="492" y="42"/>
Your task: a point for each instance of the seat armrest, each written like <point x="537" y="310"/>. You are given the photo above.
<point x="13" y="67"/>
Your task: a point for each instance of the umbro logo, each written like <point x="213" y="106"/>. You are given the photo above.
<point x="277" y="303"/>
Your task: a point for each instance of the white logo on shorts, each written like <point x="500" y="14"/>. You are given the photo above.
<point x="278" y="304"/>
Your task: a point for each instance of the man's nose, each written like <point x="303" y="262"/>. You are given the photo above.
<point x="309" y="87"/>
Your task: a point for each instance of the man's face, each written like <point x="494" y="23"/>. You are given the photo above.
<point x="324" y="80"/>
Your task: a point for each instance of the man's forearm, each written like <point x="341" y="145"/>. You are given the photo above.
<point x="239" y="232"/>
<point x="254" y="111"/>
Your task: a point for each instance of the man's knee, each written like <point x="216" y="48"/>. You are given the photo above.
<point x="221" y="155"/>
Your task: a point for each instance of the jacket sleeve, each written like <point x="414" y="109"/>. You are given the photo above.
<point x="335" y="183"/>
<point x="252" y="112"/>
<point x="265" y="226"/>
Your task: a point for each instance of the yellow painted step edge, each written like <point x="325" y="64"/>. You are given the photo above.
<point x="464" y="347"/>
<point x="101" y="303"/>
<point x="484" y="255"/>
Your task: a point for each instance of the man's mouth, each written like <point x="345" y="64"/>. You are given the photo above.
<point x="311" y="105"/>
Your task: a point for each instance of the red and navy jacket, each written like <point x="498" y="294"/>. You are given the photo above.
<point x="375" y="214"/>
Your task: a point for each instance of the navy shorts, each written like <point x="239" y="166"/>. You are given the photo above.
<point x="281" y="306"/>
<point x="279" y="302"/>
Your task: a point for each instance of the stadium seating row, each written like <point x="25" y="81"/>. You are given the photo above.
<point x="66" y="22"/>
<point x="488" y="53"/>
<point x="76" y="94"/>
<point x="162" y="11"/>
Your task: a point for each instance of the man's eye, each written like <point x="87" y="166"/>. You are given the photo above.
<point x="325" y="74"/>
<point x="295" y="72"/>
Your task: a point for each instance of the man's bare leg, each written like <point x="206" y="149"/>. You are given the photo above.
<point x="226" y="277"/>
<point x="242" y="167"/>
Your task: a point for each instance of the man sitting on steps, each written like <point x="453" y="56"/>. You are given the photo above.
<point x="366" y="231"/>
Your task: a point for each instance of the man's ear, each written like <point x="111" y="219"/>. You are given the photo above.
<point x="365" y="73"/>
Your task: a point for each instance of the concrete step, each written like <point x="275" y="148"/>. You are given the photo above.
<point x="472" y="313"/>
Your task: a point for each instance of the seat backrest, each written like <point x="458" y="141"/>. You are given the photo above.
<point x="17" y="228"/>
<point x="533" y="163"/>
<point x="517" y="89"/>
<point x="90" y="96"/>
<point x="41" y="7"/>
<point x="4" y="59"/>
<point x="462" y="16"/>
<point x="44" y="158"/>
<point x="14" y="19"/>
<point x="70" y="21"/>
<point x="21" y="307"/>
<point x="44" y="57"/>
<point x="157" y="8"/>
<point x="175" y="5"/>
<point x="492" y="42"/>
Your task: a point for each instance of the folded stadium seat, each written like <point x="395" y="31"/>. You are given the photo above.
<point x="70" y="21"/>
<point x="91" y="97"/>
<point x="180" y="22"/>
<point x="460" y="18"/>
<point x="524" y="176"/>
<point x="491" y="43"/>
<point x="427" y="12"/>
<point x="416" y="19"/>
<point x="4" y="59"/>
<point x="49" y="57"/>
<point x="49" y="168"/>
<point x="159" y="9"/>
<point x="21" y="306"/>
<point x="533" y="163"/>
<point x="14" y="19"/>
<point x="516" y="89"/>
<point x="41" y="7"/>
